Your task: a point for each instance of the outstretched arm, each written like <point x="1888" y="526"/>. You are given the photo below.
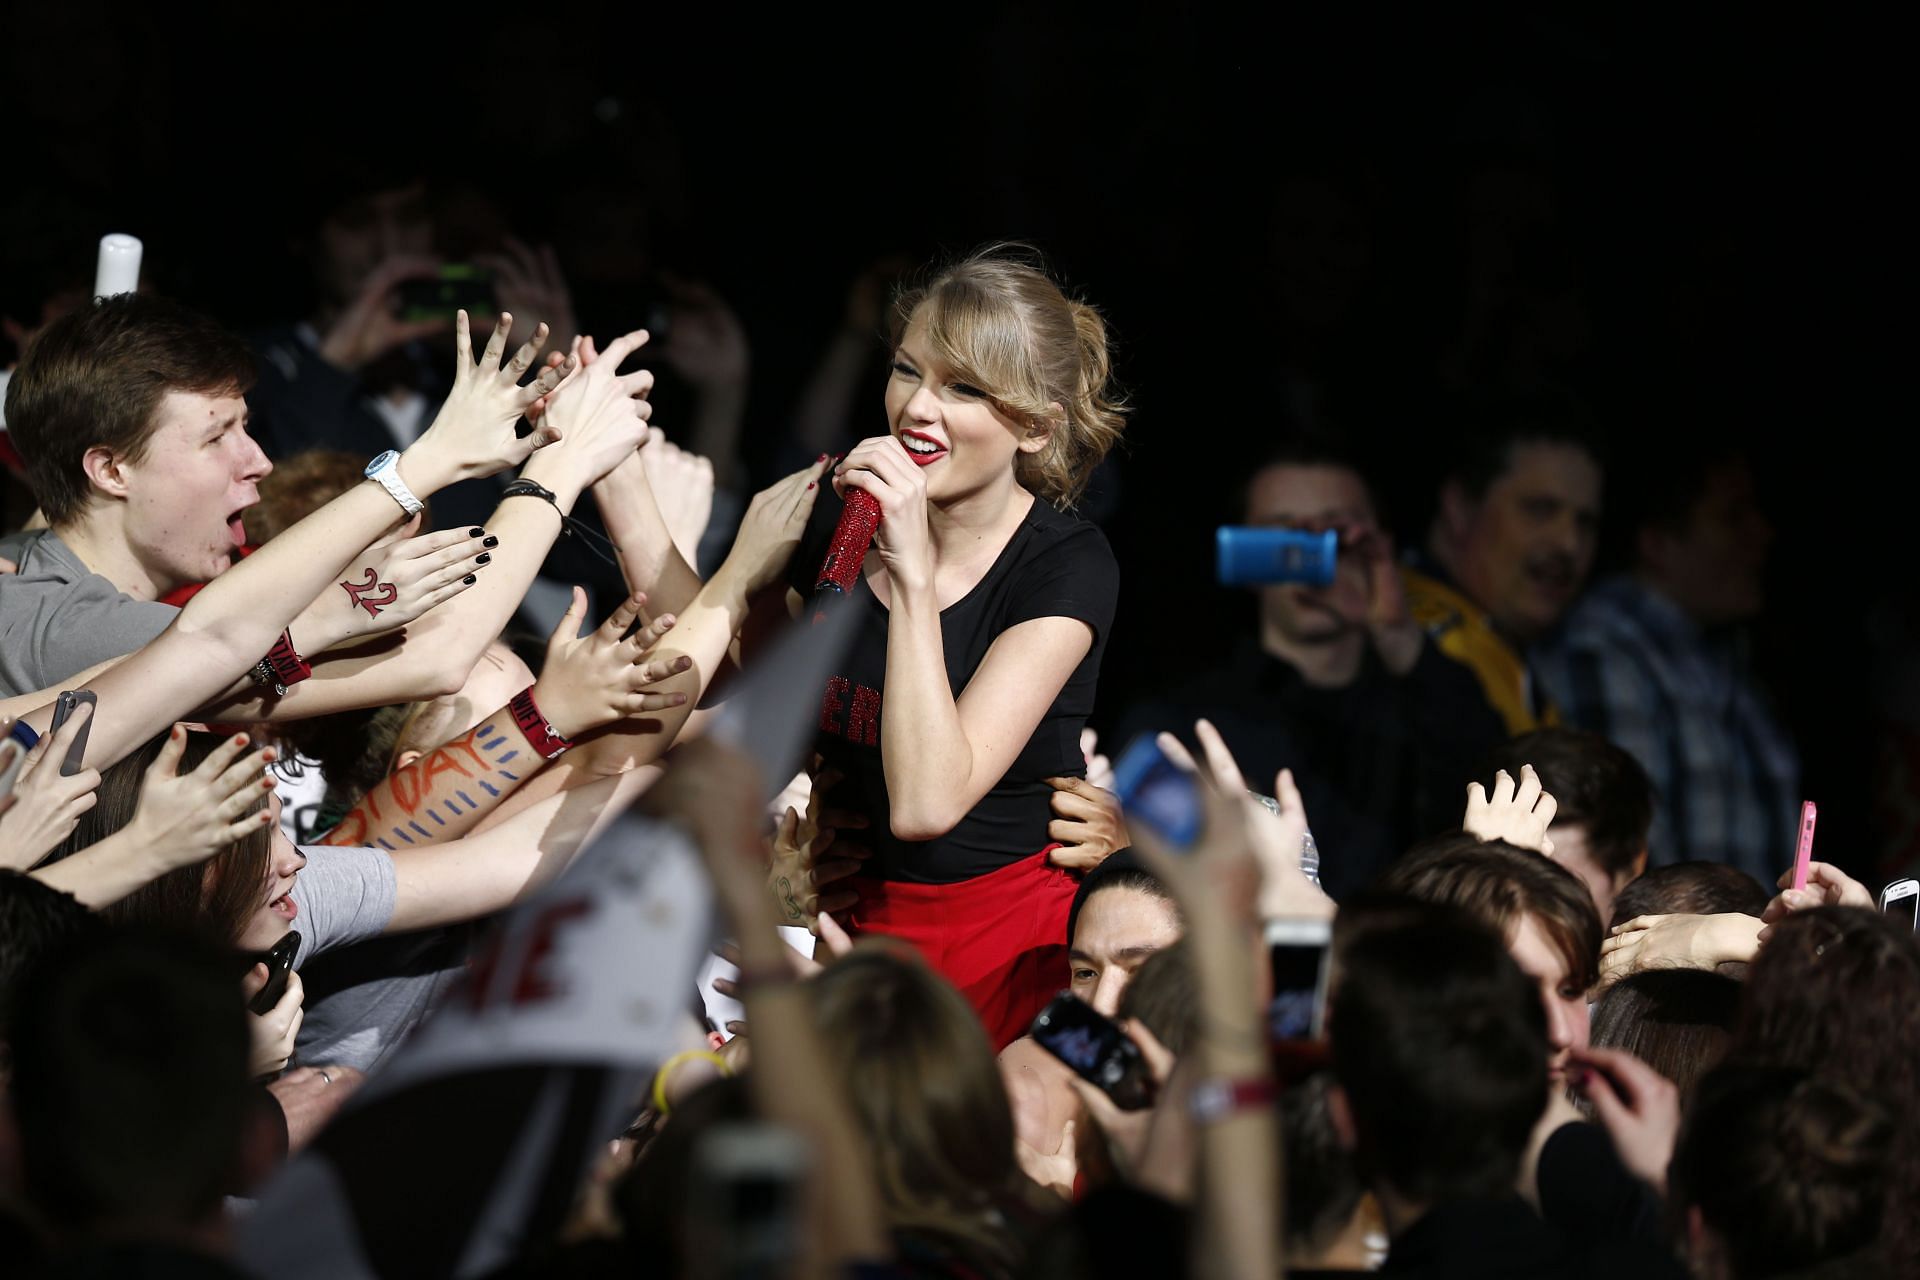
<point x="236" y="619"/>
<point x="596" y="420"/>
<point x="584" y="682"/>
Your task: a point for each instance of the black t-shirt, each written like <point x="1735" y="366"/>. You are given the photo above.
<point x="1053" y="567"/>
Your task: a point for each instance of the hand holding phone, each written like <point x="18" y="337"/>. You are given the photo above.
<point x="64" y="708"/>
<point x="279" y="962"/>
<point x="1096" y="1048"/>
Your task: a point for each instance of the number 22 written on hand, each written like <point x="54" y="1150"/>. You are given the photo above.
<point x="371" y="593"/>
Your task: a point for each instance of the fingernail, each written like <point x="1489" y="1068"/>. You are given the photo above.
<point x="822" y="458"/>
<point x="241" y="739"/>
<point x="474" y="533"/>
<point x="469" y="579"/>
<point x="483" y="558"/>
<point x="812" y="485"/>
<point x="490" y="541"/>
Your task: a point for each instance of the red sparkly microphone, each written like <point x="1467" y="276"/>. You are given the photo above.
<point x="847" y="550"/>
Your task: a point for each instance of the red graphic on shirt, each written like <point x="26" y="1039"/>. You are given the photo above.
<point x="851" y="711"/>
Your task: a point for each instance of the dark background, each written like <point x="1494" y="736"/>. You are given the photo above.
<point x="1358" y="217"/>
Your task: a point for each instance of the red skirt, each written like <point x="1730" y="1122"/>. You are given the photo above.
<point x="1001" y="938"/>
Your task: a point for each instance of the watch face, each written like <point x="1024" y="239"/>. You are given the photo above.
<point x="381" y="461"/>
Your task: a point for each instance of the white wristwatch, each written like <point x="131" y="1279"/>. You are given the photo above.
<point x="385" y="470"/>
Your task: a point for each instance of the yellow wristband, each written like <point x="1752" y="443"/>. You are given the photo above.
<point x="666" y="1069"/>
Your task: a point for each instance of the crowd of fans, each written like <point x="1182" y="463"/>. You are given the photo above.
<point x="291" y="791"/>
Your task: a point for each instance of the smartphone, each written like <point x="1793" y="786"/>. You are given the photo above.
<point x="1158" y="792"/>
<point x="64" y="707"/>
<point x="1804" y="854"/>
<point x="1297" y="956"/>
<point x="279" y="962"/>
<point x="1901" y="901"/>
<point x="744" y="1202"/>
<point x="458" y="287"/>
<point x="1260" y="555"/>
<point x="1096" y="1048"/>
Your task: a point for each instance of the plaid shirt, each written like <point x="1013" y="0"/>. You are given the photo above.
<point x="1631" y="666"/>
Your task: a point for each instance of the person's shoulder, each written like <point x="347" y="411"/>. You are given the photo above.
<point x="1054" y="533"/>
<point x="1617" y="612"/>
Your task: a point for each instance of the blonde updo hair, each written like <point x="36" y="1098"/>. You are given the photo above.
<point x="998" y="321"/>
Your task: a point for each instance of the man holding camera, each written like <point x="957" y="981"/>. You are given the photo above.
<point x="1339" y="683"/>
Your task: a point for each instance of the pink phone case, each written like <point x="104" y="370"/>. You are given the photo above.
<point x="1808" y="815"/>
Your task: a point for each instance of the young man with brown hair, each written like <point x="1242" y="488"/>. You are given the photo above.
<point x="132" y="418"/>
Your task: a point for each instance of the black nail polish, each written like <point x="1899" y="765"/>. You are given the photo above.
<point x="489" y="541"/>
<point x="469" y="579"/>
<point x="474" y="533"/>
<point x="483" y="558"/>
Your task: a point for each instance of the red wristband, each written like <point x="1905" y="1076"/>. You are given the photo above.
<point x="1216" y="1099"/>
<point x="540" y="734"/>
<point x="288" y="666"/>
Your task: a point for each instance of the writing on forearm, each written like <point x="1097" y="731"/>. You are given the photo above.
<point x="371" y="593"/>
<point x="447" y="787"/>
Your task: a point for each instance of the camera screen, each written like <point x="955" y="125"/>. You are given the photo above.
<point x="1076" y="1035"/>
<point x="1296" y="989"/>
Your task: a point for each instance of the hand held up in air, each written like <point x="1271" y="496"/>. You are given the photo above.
<point x="1519" y="815"/>
<point x="476" y="431"/>
<point x="591" y="680"/>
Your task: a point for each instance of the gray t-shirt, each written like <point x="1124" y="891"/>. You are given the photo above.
<point x="58" y="619"/>
<point x="364" y="991"/>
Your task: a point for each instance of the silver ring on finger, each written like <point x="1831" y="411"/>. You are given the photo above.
<point x="324" y="1075"/>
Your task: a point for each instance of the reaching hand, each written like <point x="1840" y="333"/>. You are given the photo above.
<point x="799" y="874"/>
<point x="1520" y="816"/>
<point x="682" y="484"/>
<point x="598" y="415"/>
<point x="1677" y="942"/>
<point x="46" y="806"/>
<point x="1638" y="1107"/>
<point x="1278" y="838"/>
<point x="832" y="937"/>
<point x="527" y="282"/>
<point x="475" y="433"/>
<point x="1397" y="638"/>
<point x="771" y="529"/>
<point x="1219" y="878"/>
<point x="186" y="818"/>
<point x="399" y="579"/>
<point x="368" y="328"/>
<point x="596" y="679"/>
<point x="272" y="1034"/>
<point x="1087" y="824"/>
<point x="1099" y="767"/>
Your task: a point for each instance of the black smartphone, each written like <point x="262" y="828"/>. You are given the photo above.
<point x="1297" y="959"/>
<point x="279" y="962"/>
<point x="64" y="707"/>
<point x="457" y="287"/>
<point x="1096" y="1048"/>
